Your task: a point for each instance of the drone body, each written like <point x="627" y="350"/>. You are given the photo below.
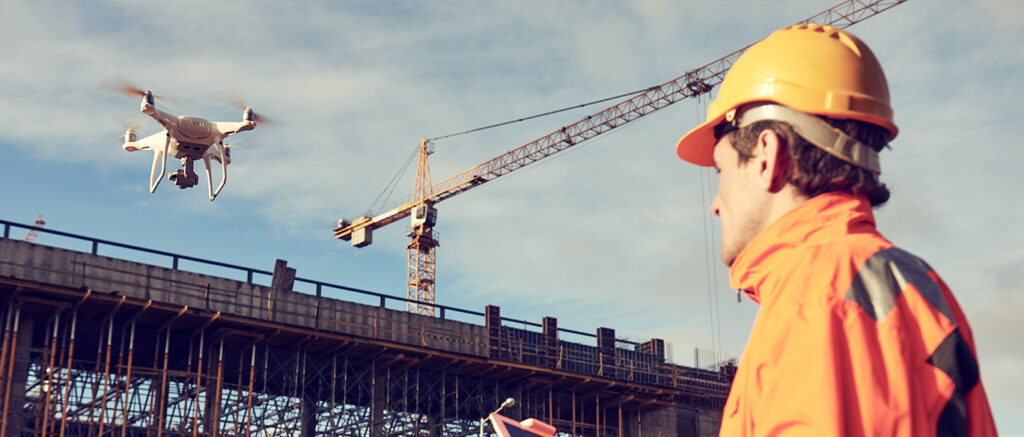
<point x="188" y="139"/>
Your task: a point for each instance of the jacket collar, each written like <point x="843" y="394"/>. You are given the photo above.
<point x="819" y="219"/>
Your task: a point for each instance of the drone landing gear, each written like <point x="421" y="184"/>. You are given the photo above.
<point x="184" y="177"/>
<point x="222" y="157"/>
<point x="158" y="155"/>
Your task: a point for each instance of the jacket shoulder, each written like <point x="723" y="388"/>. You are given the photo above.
<point x="879" y="279"/>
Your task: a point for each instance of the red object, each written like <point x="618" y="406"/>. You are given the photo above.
<point x="506" y="427"/>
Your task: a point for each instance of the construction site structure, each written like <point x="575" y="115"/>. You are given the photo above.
<point x="95" y="345"/>
<point x="422" y="255"/>
<point x="33" y="233"/>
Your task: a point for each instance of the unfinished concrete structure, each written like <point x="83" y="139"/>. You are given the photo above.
<point x="95" y="345"/>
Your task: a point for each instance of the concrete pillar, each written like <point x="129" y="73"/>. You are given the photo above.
<point x="709" y="421"/>
<point x="492" y="317"/>
<point x="284" y="277"/>
<point x="663" y="419"/>
<point x="686" y="422"/>
<point x="281" y="283"/>
<point x="377" y="404"/>
<point x="308" y="413"/>
<point x="654" y="346"/>
<point x="550" y="341"/>
<point x="435" y="426"/>
<point x="606" y="349"/>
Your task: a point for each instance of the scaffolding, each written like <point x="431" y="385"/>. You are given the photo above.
<point x="96" y="346"/>
<point x="75" y="370"/>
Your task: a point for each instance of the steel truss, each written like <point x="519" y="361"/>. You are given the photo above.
<point x="72" y="373"/>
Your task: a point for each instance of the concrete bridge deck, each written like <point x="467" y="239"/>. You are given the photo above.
<point x="102" y="342"/>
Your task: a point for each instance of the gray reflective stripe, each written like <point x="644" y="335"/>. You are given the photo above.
<point x="884" y="276"/>
<point x="957" y="361"/>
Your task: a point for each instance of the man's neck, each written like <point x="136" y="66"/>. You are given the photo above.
<point x="784" y="201"/>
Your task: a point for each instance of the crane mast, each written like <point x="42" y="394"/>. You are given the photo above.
<point x="34" y="232"/>
<point x="422" y="256"/>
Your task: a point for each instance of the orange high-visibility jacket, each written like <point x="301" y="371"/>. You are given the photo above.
<point x="854" y="335"/>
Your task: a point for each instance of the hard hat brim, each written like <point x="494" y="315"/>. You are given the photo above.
<point x="698" y="145"/>
<point x="814" y="69"/>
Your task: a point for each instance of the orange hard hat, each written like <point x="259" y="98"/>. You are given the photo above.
<point x="812" y="68"/>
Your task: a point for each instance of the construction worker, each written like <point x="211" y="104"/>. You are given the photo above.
<point x="855" y="336"/>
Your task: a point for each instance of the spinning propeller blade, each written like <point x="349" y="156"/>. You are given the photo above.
<point x="232" y="97"/>
<point x="119" y="84"/>
<point x="131" y="123"/>
<point x="131" y="126"/>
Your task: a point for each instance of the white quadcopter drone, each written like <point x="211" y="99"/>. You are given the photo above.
<point x="186" y="138"/>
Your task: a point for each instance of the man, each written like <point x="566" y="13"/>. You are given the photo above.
<point x="854" y="336"/>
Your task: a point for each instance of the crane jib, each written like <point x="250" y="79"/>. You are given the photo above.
<point x="694" y="83"/>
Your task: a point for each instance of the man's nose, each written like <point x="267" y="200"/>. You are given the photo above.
<point x="714" y="205"/>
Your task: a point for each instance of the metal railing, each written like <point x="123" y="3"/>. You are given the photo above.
<point x="319" y="286"/>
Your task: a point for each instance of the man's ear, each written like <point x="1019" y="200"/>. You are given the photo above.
<point x="771" y="160"/>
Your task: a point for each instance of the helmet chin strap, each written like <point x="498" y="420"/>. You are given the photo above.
<point x="817" y="132"/>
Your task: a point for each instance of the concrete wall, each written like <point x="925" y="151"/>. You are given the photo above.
<point x="680" y="421"/>
<point x="102" y="274"/>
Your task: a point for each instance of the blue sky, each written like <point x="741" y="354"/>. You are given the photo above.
<point x="613" y="233"/>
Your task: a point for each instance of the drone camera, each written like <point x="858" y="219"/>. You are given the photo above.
<point x="183" y="179"/>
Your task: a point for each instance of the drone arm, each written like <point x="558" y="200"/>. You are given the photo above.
<point x="154" y="177"/>
<point x="224" y="171"/>
<point x="233" y="127"/>
<point x="167" y="121"/>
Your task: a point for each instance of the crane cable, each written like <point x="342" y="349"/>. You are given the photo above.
<point x="710" y="266"/>
<point x="385" y="194"/>
<point x="382" y="199"/>
<point x="568" y="108"/>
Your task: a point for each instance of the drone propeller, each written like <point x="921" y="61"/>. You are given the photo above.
<point x="131" y="124"/>
<point x="232" y="97"/>
<point x="239" y="145"/>
<point x="119" y="84"/>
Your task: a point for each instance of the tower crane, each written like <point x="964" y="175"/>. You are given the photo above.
<point x="422" y="255"/>
<point x="34" y="232"/>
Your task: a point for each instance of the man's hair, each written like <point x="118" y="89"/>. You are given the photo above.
<point x="815" y="171"/>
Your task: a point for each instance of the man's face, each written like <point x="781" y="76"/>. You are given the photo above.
<point x="739" y="201"/>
